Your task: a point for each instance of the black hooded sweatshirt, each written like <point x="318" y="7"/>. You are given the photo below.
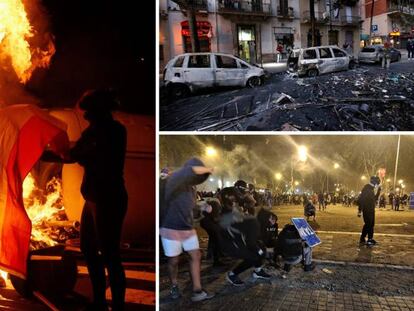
<point x="180" y="196"/>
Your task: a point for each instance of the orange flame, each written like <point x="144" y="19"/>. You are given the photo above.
<point x="16" y="44"/>
<point x="42" y="212"/>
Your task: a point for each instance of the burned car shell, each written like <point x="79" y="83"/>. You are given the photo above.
<point x="375" y="53"/>
<point x="203" y="70"/>
<point x="319" y="60"/>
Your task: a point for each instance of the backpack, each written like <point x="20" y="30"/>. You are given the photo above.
<point x="290" y="242"/>
<point x="163" y="206"/>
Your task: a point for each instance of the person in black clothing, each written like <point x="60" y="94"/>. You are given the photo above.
<point x="309" y="209"/>
<point x="240" y="236"/>
<point x="366" y="204"/>
<point x="101" y="152"/>
<point x="268" y="231"/>
<point x="210" y="224"/>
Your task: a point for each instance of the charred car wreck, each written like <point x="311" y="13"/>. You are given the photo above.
<point x="318" y="60"/>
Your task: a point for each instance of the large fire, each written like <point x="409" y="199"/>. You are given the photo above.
<point x="21" y="45"/>
<point x="42" y="207"/>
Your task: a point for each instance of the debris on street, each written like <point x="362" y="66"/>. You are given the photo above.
<point x="363" y="99"/>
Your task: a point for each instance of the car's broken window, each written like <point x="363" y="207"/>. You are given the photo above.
<point x="179" y="62"/>
<point x="368" y="50"/>
<point x="225" y="62"/>
<point x="325" y="53"/>
<point x="338" y="53"/>
<point x="309" y="54"/>
<point x="199" y="61"/>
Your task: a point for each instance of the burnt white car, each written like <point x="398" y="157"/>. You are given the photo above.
<point x="189" y="72"/>
<point x="318" y="60"/>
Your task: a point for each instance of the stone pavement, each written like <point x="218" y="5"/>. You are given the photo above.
<point x="347" y="276"/>
<point x="329" y="287"/>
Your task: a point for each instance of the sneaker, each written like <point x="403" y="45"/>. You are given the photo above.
<point x="175" y="292"/>
<point x="362" y="242"/>
<point x="261" y="275"/>
<point x="200" y="296"/>
<point x="234" y="279"/>
<point x="371" y="242"/>
<point x="310" y="267"/>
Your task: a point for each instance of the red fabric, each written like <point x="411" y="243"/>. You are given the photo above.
<point x="30" y="142"/>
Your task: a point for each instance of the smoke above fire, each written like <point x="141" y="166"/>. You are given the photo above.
<point x="26" y="44"/>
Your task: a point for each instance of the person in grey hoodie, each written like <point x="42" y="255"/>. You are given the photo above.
<point x="177" y="228"/>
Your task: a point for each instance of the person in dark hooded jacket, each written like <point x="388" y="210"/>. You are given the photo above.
<point x="366" y="204"/>
<point x="177" y="229"/>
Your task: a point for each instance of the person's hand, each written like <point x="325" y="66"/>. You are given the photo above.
<point x="200" y="170"/>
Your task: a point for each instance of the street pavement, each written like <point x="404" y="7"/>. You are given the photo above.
<point x="347" y="277"/>
<point x="140" y="293"/>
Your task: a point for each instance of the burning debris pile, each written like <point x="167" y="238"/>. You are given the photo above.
<point x="25" y="45"/>
<point x="355" y="100"/>
<point x="50" y="225"/>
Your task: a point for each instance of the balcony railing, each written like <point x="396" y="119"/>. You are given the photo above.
<point x="323" y="18"/>
<point x="285" y="12"/>
<point x="349" y="20"/>
<point x="320" y="17"/>
<point x="406" y="9"/>
<point x="245" y="6"/>
<point x="198" y="5"/>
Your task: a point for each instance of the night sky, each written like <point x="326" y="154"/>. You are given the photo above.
<point x="257" y="158"/>
<point x="100" y="43"/>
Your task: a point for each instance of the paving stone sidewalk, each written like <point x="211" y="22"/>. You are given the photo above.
<point x="329" y="287"/>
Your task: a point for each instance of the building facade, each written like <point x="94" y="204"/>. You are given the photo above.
<point x="392" y="20"/>
<point x="253" y="29"/>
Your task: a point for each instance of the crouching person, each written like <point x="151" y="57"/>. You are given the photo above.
<point x="309" y="209"/>
<point x="177" y="229"/>
<point x="239" y="239"/>
<point x="293" y="249"/>
<point x="210" y="224"/>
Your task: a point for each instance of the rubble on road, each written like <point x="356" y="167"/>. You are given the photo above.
<point x="358" y="99"/>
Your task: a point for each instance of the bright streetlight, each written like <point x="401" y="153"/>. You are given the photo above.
<point x="211" y="151"/>
<point x="400" y="181"/>
<point x="278" y="176"/>
<point x="296" y="183"/>
<point x="363" y="177"/>
<point x="302" y="153"/>
<point x="336" y="165"/>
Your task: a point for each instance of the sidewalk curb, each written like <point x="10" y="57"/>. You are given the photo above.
<point x="361" y="264"/>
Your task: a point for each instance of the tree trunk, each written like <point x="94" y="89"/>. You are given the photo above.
<point x="192" y="24"/>
<point x="312" y="18"/>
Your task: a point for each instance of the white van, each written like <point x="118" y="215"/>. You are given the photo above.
<point x="189" y="72"/>
<point x="318" y="60"/>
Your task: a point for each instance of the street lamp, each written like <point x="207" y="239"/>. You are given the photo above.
<point x="336" y="165"/>
<point x="302" y="156"/>
<point x="211" y="152"/>
<point x="296" y="183"/>
<point x="363" y="177"/>
<point x="302" y="153"/>
<point x="278" y="176"/>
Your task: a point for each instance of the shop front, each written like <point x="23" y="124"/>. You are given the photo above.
<point x="246" y="38"/>
<point x="204" y="33"/>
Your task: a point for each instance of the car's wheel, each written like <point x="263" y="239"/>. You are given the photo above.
<point x="254" y="82"/>
<point x="178" y="91"/>
<point x="352" y="65"/>
<point x="312" y="72"/>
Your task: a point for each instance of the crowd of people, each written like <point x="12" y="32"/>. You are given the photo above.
<point x="237" y="227"/>
<point x="241" y="224"/>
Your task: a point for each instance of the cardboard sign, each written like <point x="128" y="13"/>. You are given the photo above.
<point x="306" y="232"/>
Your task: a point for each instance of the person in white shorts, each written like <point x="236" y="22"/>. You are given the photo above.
<point x="177" y="228"/>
